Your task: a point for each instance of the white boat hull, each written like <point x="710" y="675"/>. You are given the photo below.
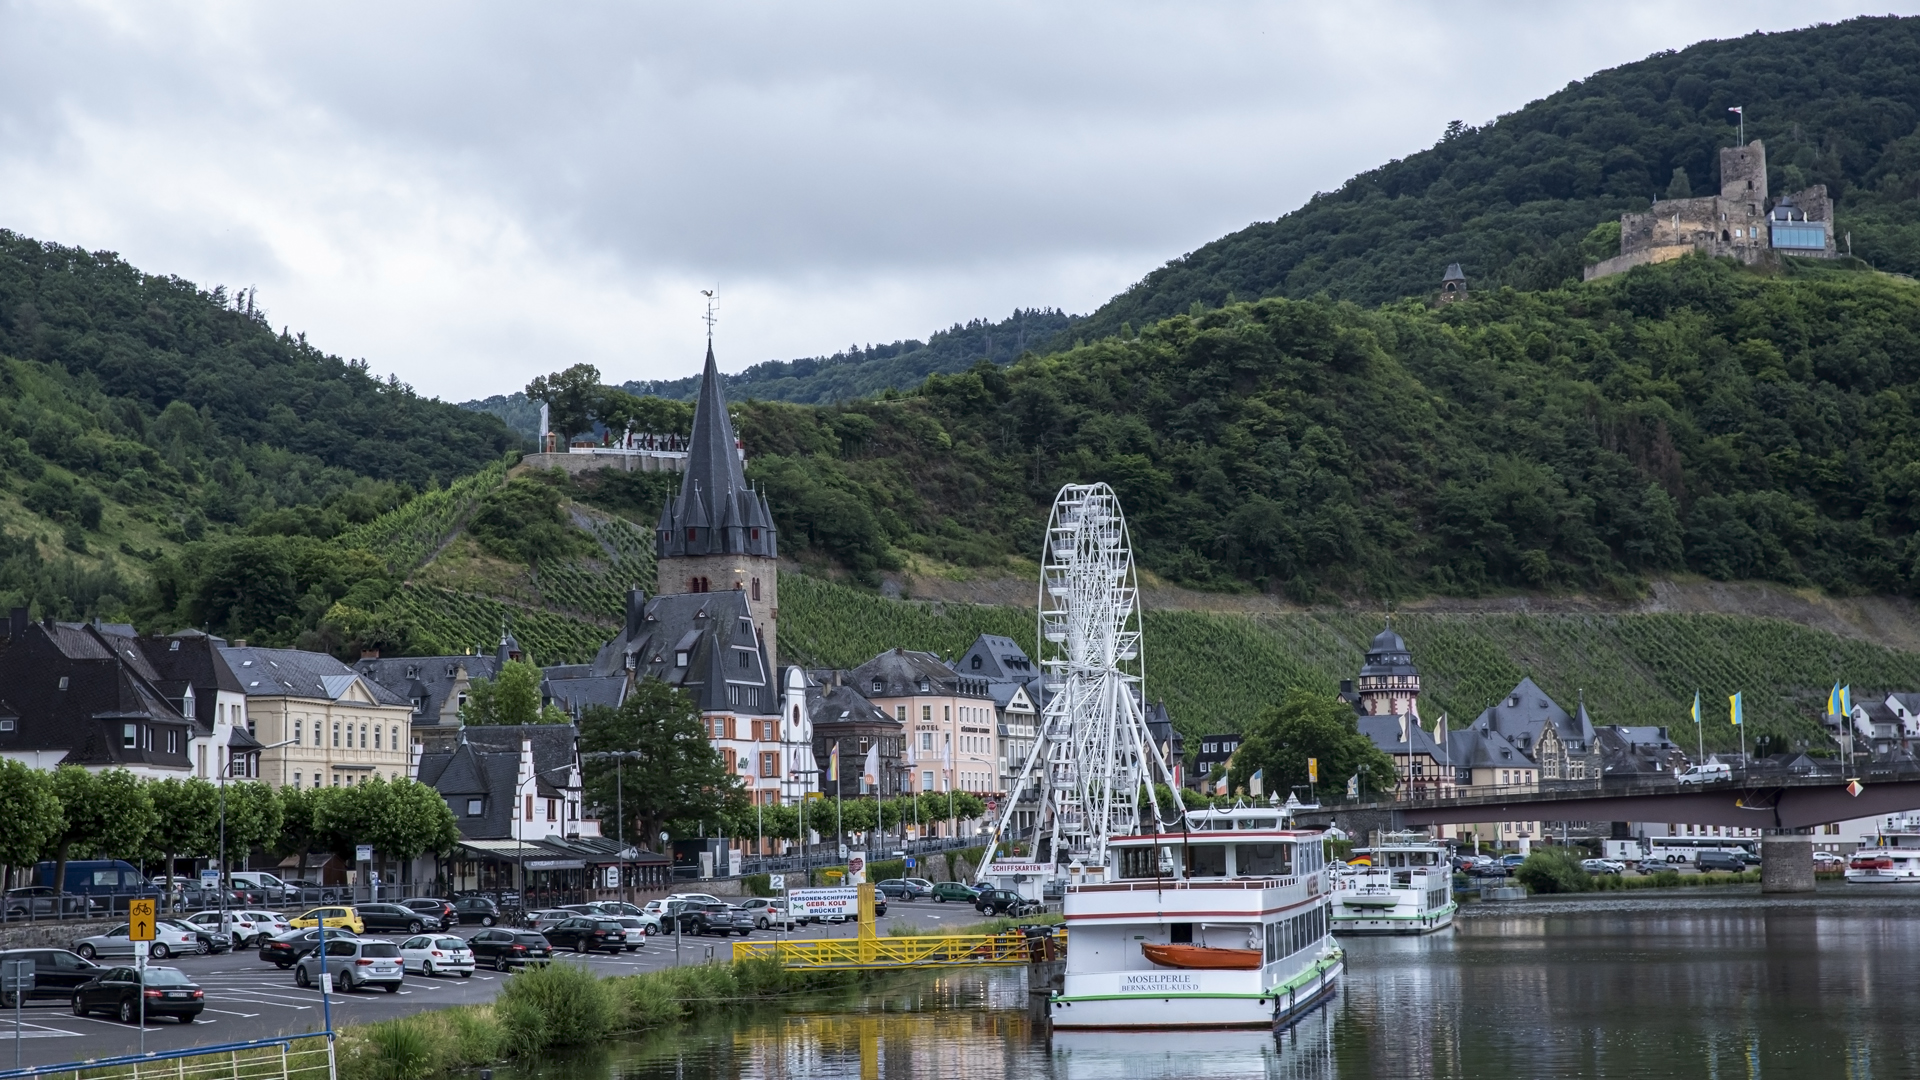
<point x="1403" y="919"/>
<point x="1195" y="1000"/>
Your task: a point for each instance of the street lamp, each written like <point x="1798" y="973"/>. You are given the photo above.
<point x="226" y="925"/>
<point x="619" y="759"/>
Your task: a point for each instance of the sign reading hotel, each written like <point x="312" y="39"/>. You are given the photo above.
<point x="819" y="903"/>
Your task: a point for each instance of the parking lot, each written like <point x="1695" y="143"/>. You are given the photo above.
<point x="248" y="998"/>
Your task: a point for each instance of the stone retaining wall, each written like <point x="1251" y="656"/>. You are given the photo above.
<point x="51" y="934"/>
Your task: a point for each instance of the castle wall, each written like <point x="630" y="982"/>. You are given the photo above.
<point x="575" y="464"/>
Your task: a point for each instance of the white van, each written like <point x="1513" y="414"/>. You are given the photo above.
<point x="1710" y="773"/>
<point x="270" y="888"/>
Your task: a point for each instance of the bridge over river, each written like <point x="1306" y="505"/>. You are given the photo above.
<point x="1786" y="806"/>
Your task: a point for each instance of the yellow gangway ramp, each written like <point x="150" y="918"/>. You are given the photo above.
<point x="869" y="950"/>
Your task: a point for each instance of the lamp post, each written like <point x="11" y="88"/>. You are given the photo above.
<point x="226" y="924"/>
<point x="619" y="759"/>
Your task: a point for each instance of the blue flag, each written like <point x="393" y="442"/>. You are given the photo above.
<point x="1734" y="710"/>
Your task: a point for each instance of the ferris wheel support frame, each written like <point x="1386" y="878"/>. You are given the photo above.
<point x="1092" y="738"/>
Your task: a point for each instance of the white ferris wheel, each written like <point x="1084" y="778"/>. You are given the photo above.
<point x="1093" y="755"/>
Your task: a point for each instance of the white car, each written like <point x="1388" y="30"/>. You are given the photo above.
<point x="1603" y="866"/>
<point x="167" y="941"/>
<point x="543" y="920"/>
<point x="437" y="954"/>
<point x="245" y="927"/>
<point x="1710" y="773"/>
<point x="1827" y="860"/>
<point x="638" y="927"/>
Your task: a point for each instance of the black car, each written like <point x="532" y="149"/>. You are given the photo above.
<point x="395" y="918"/>
<point x="118" y="990"/>
<point x="505" y="949"/>
<point x="902" y="889"/>
<point x="439" y="909"/>
<point x="1724" y="861"/>
<point x="210" y="942"/>
<point x="40" y="901"/>
<point x="289" y="947"/>
<point x="713" y="919"/>
<point x="586" y="933"/>
<point x="476" y="909"/>
<point x="57" y="973"/>
<point x="1002" y="902"/>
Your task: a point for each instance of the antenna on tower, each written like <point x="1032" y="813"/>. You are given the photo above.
<point x="708" y="293"/>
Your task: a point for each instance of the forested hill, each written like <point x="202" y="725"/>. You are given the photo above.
<point x="139" y="412"/>
<point x="1691" y="416"/>
<point x="1512" y="201"/>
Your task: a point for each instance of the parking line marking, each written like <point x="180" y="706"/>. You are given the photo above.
<point x="224" y="1012"/>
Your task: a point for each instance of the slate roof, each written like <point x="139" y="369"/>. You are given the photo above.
<point x="1160" y="726"/>
<point x="466" y="772"/>
<point x="1479" y="747"/>
<point x="1384" y="732"/>
<point x="573" y="688"/>
<point x="904" y="673"/>
<point x="715" y="512"/>
<point x="296" y="673"/>
<point x="103" y="689"/>
<point x="1526" y="710"/>
<point x="1388" y="655"/>
<point x="553" y="749"/>
<point x="1629" y="751"/>
<point x="1453" y="273"/>
<point x="842" y="714"/>
<point x="426" y="682"/>
<point x="726" y="667"/>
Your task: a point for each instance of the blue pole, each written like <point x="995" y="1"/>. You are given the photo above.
<point x="326" y="999"/>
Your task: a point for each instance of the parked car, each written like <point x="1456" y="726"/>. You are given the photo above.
<point x="1748" y="857"/>
<point x="394" y="918"/>
<point x="354" y="962"/>
<point x="119" y="990"/>
<point x="767" y="912"/>
<point x="903" y="889"/>
<point x="337" y="918"/>
<point x="1603" y="866"/>
<point x="1513" y="860"/>
<point x="40" y="901"/>
<point x="637" y="928"/>
<point x="437" y="954"/>
<point x="617" y="907"/>
<point x="167" y="941"/>
<point x="1003" y="902"/>
<point x="586" y="933"/>
<point x="476" y="909"/>
<point x="954" y="890"/>
<point x="109" y="882"/>
<point x="57" y="973"/>
<point x="268" y="887"/>
<point x="311" y="892"/>
<point x="210" y="941"/>
<point x="1488" y="870"/>
<point x="439" y="909"/>
<point x="284" y="949"/>
<point x="1827" y="860"/>
<point x="546" y="917"/>
<point x="243" y="927"/>
<point x="1720" y="860"/>
<point x="504" y="950"/>
<point x="714" y="918"/>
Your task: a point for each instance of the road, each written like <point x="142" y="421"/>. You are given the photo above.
<point x="248" y="998"/>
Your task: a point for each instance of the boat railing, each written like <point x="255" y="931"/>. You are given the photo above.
<point x="1156" y="884"/>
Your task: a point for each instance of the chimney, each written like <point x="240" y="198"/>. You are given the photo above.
<point x="239" y="643"/>
<point x="636" y="611"/>
<point x="17" y="623"/>
<point x="369" y="654"/>
<point x="1346" y="686"/>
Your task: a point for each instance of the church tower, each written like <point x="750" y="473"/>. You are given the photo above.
<point x="1389" y="684"/>
<point x="718" y="534"/>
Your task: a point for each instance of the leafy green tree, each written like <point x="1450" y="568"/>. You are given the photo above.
<point x="104" y="815"/>
<point x="677" y="777"/>
<point x="1310" y="724"/>
<point x="32" y="814"/>
<point x="402" y="819"/>
<point x="297" y="834"/>
<point x="510" y="697"/>
<point x="253" y="818"/>
<point x="571" y="396"/>
<point x="185" y="819"/>
<point x="1553" y="870"/>
<point x="524" y="520"/>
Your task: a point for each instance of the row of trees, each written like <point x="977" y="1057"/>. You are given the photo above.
<point x="576" y="400"/>
<point x="73" y="813"/>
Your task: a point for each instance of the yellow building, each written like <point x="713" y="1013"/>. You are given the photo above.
<point x="322" y="723"/>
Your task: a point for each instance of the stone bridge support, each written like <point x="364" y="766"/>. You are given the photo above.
<point x="1786" y="861"/>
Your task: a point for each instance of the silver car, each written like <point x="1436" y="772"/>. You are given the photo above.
<point x="354" y="963"/>
<point x="167" y="941"/>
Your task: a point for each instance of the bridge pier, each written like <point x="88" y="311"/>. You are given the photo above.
<point x="1786" y="861"/>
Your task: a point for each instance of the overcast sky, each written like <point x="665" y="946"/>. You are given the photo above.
<point x="468" y="195"/>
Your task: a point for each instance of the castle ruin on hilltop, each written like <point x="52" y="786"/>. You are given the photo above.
<point x="1736" y="223"/>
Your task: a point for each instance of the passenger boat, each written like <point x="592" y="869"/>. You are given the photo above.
<point x="1405" y="887"/>
<point x="1223" y="923"/>
<point x="1892" y="859"/>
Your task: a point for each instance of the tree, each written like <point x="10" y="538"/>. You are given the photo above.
<point x="402" y="819"/>
<point x="297" y="835"/>
<point x="105" y="815"/>
<point x="571" y="396"/>
<point x="32" y="814"/>
<point x="678" y="778"/>
<point x="1310" y="724"/>
<point x="185" y="819"/>
<point x="1680" y="187"/>
<point x="510" y="697"/>
<point x="253" y="819"/>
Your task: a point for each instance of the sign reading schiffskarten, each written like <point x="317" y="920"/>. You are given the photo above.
<point x="819" y="903"/>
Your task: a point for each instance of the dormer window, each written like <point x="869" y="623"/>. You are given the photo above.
<point x="976" y="663"/>
<point x="680" y="658"/>
<point x="878" y="686"/>
<point x="63" y="682"/>
<point x="173" y="646"/>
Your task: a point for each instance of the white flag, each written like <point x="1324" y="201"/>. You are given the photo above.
<point x="872" y="769"/>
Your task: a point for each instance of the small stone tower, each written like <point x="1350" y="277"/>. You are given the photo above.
<point x="718" y="534"/>
<point x="1389" y="684"/>
<point x="1454" y="285"/>
<point x="1743" y="177"/>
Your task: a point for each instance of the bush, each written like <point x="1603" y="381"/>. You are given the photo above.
<point x="757" y="884"/>
<point x="557" y="1005"/>
<point x="402" y="1051"/>
<point x="1553" y="870"/>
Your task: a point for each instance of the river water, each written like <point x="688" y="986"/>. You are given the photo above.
<point x="1722" y="986"/>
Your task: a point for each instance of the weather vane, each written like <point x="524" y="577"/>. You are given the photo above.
<point x="708" y="293"/>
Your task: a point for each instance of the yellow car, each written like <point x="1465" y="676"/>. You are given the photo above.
<point x="337" y="918"/>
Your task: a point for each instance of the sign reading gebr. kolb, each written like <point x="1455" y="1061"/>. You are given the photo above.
<point x="821" y="903"/>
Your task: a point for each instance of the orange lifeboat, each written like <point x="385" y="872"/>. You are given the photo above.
<point x="1200" y="957"/>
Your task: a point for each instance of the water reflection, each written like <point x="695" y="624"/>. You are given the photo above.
<point x="1718" y="987"/>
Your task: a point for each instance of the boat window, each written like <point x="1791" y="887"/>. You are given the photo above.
<point x="1207" y="860"/>
<point x="1181" y="933"/>
<point x="1139" y="862"/>
<point x="1258" y="823"/>
<point x="1265" y="860"/>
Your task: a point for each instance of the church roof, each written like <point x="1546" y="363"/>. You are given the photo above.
<point x="1453" y="273"/>
<point x="1388" y="655"/>
<point x="716" y="511"/>
<point x="703" y="643"/>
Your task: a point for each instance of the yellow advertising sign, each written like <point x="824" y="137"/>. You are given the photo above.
<point x="1313" y="769"/>
<point x="140" y="919"/>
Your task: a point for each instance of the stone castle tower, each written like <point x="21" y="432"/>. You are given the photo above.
<point x="1454" y="285"/>
<point x="1389" y="684"/>
<point x="718" y="533"/>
